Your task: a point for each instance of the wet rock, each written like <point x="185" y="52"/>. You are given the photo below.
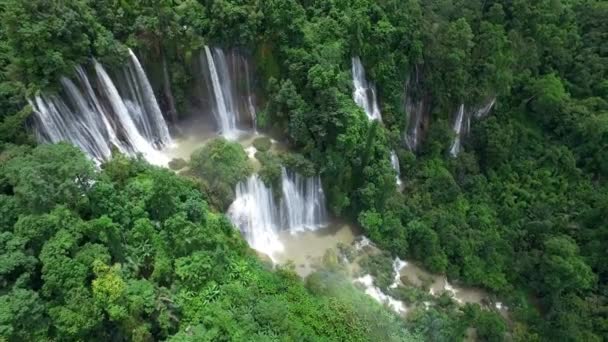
<point x="177" y="164"/>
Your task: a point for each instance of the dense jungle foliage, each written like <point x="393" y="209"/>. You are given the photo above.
<point x="522" y="211"/>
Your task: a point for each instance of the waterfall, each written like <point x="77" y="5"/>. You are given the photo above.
<point x="93" y="110"/>
<point x="80" y="119"/>
<point x="398" y="264"/>
<point x="250" y="98"/>
<point x="135" y="139"/>
<point x="260" y="220"/>
<point x="396" y="167"/>
<point x="365" y="97"/>
<point x="417" y="109"/>
<point x="147" y="112"/>
<point x="55" y="122"/>
<point x="303" y="202"/>
<point x="415" y="112"/>
<point x="455" y="149"/>
<point x="256" y="215"/>
<point x="462" y="125"/>
<point x="485" y="109"/>
<point x="365" y="92"/>
<point x="97" y="118"/>
<point x="227" y="85"/>
<point x="225" y="111"/>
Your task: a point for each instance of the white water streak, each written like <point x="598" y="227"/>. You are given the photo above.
<point x="365" y="92"/>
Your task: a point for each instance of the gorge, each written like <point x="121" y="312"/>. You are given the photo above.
<point x="293" y="226"/>
<point x="239" y="170"/>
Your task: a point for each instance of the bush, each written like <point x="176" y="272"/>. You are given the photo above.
<point x="220" y="165"/>
<point x="299" y="164"/>
<point x="221" y="161"/>
<point x="270" y="172"/>
<point x="177" y="164"/>
<point x="262" y="144"/>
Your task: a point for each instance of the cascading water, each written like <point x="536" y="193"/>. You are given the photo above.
<point x="260" y="220"/>
<point x="98" y="120"/>
<point x="225" y="112"/>
<point x="226" y="77"/>
<point x="250" y="98"/>
<point x="365" y="92"/>
<point x="417" y="108"/>
<point x="462" y="125"/>
<point x="365" y="97"/>
<point x="134" y="138"/>
<point x="415" y="111"/>
<point x="55" y="122"/>
<point x="146" y="111"/>
<point x="303" y="202"/>
<point x="94" y="112"/>
<point x="256" y="215"/>
<point x="485" y="109"/>
<point x="458" y="125"/>
<point x="396" y="167"/>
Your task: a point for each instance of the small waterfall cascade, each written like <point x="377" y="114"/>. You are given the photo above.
<point x="303" y="202"/>
<point x="485" y="109"/>
<point x="94" y="116"/>
<point x="225" y="114"/>
<point x="398" y="264"/>
<point x="365" y="97"/>
<point x="228" y="81"/>
<point x="255" y="213"/>
<point x="250" y="97"/>
<point x="145" y="109"/>
<point x="458" y="128"/>
<point x="396" y="167"/>
<point x="417" y="109"/>
<point x="462" y="125"/>
<point x="260" y="219"/>
<point x="365" y="92"/>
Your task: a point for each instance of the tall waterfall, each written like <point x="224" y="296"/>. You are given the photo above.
<point x="365" y="97"/>
<point x="148" y="115"/>
<point x="225" y="114"/>
<point x="415" y="111"/>
<point x="458" y="126"/>
<point x="417" y="108"/>
<point x="365" y="92"/>
<point x="133" y="136"/>
<point x="303" y="202"/>
<point x="254" y="211"/>
<point x="228" y="80"/>
<point x="96" y="118"/>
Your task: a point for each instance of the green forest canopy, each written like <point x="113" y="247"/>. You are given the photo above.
<point x="521" y="212"/>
